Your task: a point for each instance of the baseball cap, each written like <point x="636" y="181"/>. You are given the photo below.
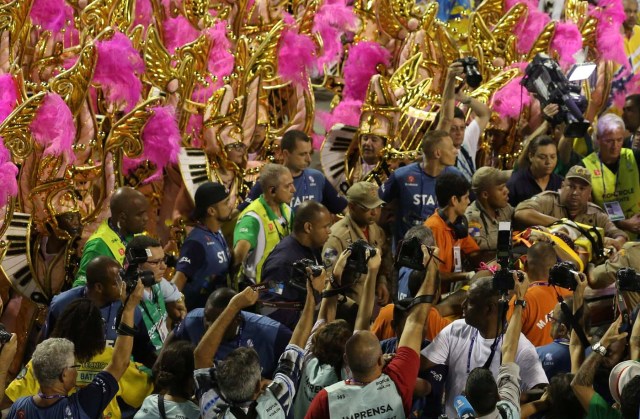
<point x="486" y="177"/>
<point x="579" y="172"/>
<point x="620" y="375"/>
<point x="365" y="194"/>
<point x="207" y="194"/>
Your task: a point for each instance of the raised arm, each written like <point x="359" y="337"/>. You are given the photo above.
<point x="126" y="331"/>
<point x="368" y="297"/>
<point x="576" y="350"/>
<point x="329" y="304"/>
<point x="634" y="341"/>
<point x="208" y="346"/>
<point x="303" y="328"/>
<point x="412" y="333"/>
<point x="512" y="337"/>
<point x="481" y="111"/>
<point x="449" y="96"/>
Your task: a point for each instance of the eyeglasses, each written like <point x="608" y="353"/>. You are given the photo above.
<point x="159" y="261"/>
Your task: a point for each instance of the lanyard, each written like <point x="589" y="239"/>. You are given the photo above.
<point x="493" y="350"/>
<point x="604" y="186"/>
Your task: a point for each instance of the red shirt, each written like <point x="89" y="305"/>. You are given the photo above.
<point x="403" y="371"/>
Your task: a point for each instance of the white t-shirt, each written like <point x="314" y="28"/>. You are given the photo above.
<point x="472" y="138"/>
<point x="453" y="347"/>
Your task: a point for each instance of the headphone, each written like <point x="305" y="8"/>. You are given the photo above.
<point x="273" y="189"/>
<point x="460" y="226"/>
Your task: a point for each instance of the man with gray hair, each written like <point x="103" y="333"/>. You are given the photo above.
<point x="55" y="368"/>
<point x="265" y="222"/>
<point x="615" y="175"/>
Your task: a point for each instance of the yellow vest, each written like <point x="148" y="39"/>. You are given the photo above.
<point x="269" y="236"/>
<point x="632" y="48"/>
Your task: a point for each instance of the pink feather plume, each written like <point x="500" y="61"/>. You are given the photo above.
<point x="567" y="40"/>
<point x="360" y="66"/>
<point x="512" y="98"/>
<point x="177" y="32"/>
<point x="8" y="175"/>
<point x="143" y="13"/>
<point x="296" y="57"/>
<point x="8" y="96"/>
<point x="220" y="57"/>
<point x="529" y="28"/>
<point x="52" y="15"/>
<point x="346" y="112"/>
<point x="331" y="22"/>
<point x="610" y="15"/>
<point x="53" y="127"/>
<point x="531" y="4"/>
<point x="118" y="69"/>
<point x="161" y="140"/>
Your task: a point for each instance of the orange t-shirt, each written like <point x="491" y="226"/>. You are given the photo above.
<point x="443" y="235"/>
<point x="383" y="330"/>
<point x="541" y="299"/>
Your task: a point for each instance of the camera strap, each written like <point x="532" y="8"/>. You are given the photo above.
<point x="284" y="305"/>
<point x="621" y="305"/>
<point x="575" y="323"/>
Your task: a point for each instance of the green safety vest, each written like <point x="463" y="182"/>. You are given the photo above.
<point x="111" y="239"/>
<point x="154" y="315"/>
<point x="269" y="235"/>
<point x="607" y="186"/>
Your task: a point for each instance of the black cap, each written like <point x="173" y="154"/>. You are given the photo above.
<point x="208" y="194"/>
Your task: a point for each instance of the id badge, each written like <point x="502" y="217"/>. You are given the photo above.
<point x="457" y="259"/>
<point x="614" y="211"/>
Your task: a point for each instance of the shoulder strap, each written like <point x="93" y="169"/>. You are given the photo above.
<point x="239" y="413"/>
<point x="163" y="413"/>
<point x="503" y="412"/>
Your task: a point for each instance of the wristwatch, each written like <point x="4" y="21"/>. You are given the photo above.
<point x="522" y="303"/>
<point x="599" y="349"/>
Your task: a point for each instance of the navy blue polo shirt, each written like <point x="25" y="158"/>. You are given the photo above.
<point x="205" y="261"/>
<point x="311" y="184"/>
<point x="523" y="186"/>
<point x="416" y="194"/>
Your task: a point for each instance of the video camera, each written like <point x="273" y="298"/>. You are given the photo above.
<point x="470" y="67"/>
<point x="132" y="273"/>
<point x="628" y="280"/>
<point x="357" y="262"/>
<point x="562" y="275"/>
<point x="545" y="79"/>
<point x="299" y="275"/>
<point x="503" y="278"/>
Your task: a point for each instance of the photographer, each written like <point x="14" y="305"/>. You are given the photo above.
<point x="500" y="398"/>
<point x="477" y="341"/>
<point x="233" y="387"/>
<point x="55" y="367"/>
<point x="311" y="227"/>
<point x="603" y="276"/>
<point x="452" y="119"/>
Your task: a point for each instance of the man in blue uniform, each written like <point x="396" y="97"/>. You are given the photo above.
<point x="310" y="184"/>
<point x="413" y="186"/>
<point x="205" y="257"/>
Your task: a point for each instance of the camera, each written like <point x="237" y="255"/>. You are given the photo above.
<point x="470" y="67"/>
<point x="562" y="275"/>
<point x="503" y="278"/>
<point x="545" y="79"/>
<point x="628" y="280"/>
<point x="132" y="273"/>
<point x="299" y="276"/>
<point x="5" y="336"/>
<point x="410" y="254"/>
<point x="357" y="262"/>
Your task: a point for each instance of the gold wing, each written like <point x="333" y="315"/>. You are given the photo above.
<point x="16" y="129"/>
<point x="264" y="59"/>
<point x="198" y="50"/>
<point x="197" y="10"/>
<point x="484" y="92"/>
<point x="429" y="15"/>
<point x="126" y="133"/>
<point x="95" y="17"/>
<point x="306" y="21"/>
<point x="491" y="11"/>
<point x="72" y="84"/>
<point x="122" y="15"/>
<point x="13" y="16"/>
<point x="588" y="31"/>
<point x="544" y="40"/>
<point x="405" y="76"/>
<point x="505" y="25"/>
<point x="157" y="60"/>
<point x="387" y="18"/>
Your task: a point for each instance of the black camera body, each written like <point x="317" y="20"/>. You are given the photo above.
<point x="471" y="71"/>
<point x="503" y="278"/>
<point x="628" y="280"/>
<point x="544" y="77"/>
<point x="299" y="276"/>
<point x="410" y="254"/>
<point x="132" y="273"/>
<point x="357" y="262"/>
<point x="562" y="275"/>
<point x="5" y="336"/>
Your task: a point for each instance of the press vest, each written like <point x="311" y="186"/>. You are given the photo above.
<point x="378" y="399"/>
<point x="623" y="187"/>
<point x="314" y="378"/>
<point x="269" y="236"/>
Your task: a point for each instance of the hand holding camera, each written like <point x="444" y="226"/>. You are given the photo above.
<point x="521" y="284"/>
<point x="8" y="347"/>
<point x="246" y="298"/>
<point x="374" y="260"/>
<point x="134" y="296"/>
<point x="339" y="266"/>
<point x="316" y="282"/>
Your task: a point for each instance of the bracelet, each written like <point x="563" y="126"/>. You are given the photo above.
<point x="329" y="293"/>
<point x="125" y="330"/>
<point x="332" y="281"/>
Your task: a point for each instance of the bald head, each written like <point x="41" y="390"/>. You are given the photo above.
<point x="129" y="210"/>
<point x="363" y="354"/>
<point x="98" y="270"/>
<point x="540" y="258"/>
<point x="216" y="303"/>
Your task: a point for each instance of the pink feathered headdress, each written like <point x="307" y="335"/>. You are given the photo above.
<point x="118" y="69"/>
<point x="529" y="28"/>
<point x="567" y="40"/>
<point x="610" y="15"/>
<point x="143" y="13"/>
<point x="346" y="112"/>
<point x="177" y="32"/>
<point x="296" y="57"/>
<point x="220" y="56"/>
<point x="8" y="96"/>
<point x="512" y="98"/>
<point x="51" y="15"/>
<point x="53" y="127"/>
<point x="332" y="20"/>
<point x="161" y="140"/>
<point x="360" y="66"/>
<point x="8" y="175"/>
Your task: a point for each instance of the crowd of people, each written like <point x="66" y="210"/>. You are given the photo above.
<point x="177" y="244"/>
